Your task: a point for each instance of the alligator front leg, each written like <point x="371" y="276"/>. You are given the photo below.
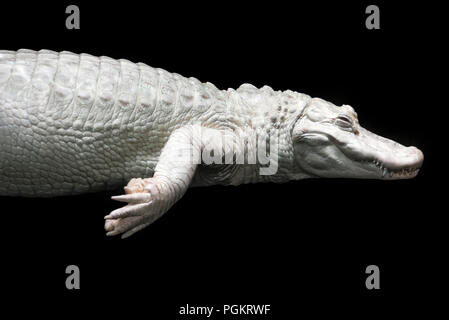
<point x="148" y="199"/>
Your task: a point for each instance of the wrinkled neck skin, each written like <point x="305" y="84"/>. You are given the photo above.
<point x="270" y="116"/>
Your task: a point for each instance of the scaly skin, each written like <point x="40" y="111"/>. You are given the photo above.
<point x="72" y="123"/>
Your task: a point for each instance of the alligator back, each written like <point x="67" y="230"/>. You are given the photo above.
<point x="76" y="123"/>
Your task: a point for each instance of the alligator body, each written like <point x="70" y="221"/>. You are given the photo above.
<point x="73" y="123"/>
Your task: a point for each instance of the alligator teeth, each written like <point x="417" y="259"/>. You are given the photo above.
<point x="384" y="170"/>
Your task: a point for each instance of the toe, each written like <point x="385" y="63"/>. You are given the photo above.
<point x="134" y="230"/>
<point x="129" y="211"/>
<point x="133" y="197"/>
<point x="124" y="225"/>
<point x="109" y="225"/>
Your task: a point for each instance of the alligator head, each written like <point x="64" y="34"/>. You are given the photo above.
<point x="329" y="142"/>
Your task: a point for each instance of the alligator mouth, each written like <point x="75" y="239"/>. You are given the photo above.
<point x="385" y="171"/>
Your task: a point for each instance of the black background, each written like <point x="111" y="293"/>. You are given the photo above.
<point x="301" y="246"/>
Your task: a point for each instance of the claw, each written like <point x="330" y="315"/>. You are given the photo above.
<point x="128" y="211"/>
<point x="125" y="224"/>
<point x="133" y="197"/>
<point x="109" y="225"/>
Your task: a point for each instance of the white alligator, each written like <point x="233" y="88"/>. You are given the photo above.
<point x="71" y="124"/>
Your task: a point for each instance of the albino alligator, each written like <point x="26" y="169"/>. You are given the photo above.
<point x="72" y="123"/>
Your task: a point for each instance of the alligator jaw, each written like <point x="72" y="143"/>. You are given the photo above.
<point x="385" y="172"/>
<point x="390" y="172"/>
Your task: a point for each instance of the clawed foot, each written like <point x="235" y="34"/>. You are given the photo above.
<point x="143" y="208"/>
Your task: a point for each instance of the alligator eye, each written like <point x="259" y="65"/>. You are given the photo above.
<point x="344" y="122"/>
